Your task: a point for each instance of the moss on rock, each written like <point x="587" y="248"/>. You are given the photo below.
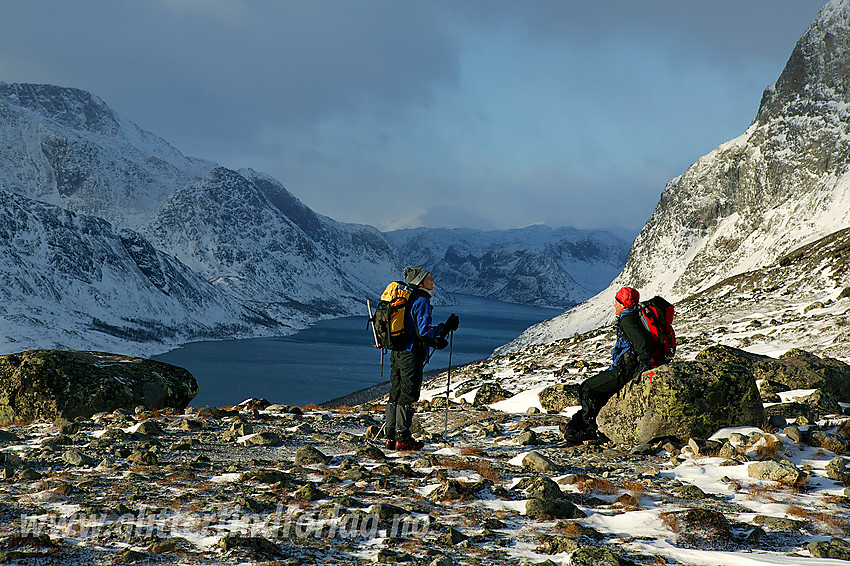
<point x="44" y="385"/>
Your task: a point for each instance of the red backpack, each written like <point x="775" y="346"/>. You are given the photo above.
<point x="656" y="314"/>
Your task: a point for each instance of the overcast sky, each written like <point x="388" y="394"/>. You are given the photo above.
<point x="399" y="113"/>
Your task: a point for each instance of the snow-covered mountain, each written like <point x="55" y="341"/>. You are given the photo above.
<point x="74" y="281"/>
<point x="246" y="233"/>
<point x="248" y="243"/>
<point x="536" y="265"/>
<point x="782" y="184"/>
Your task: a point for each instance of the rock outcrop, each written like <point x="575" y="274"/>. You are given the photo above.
<point x="795" y="369"/>
<point x="46" y="385"/>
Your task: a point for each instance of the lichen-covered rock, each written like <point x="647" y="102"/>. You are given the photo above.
<point x="555" y="544"/>
<point x="541" y="487"/>
<point x="783" y="472"/>
<point x="537" y="462"/>
<point x="257" y="546"/>
<point x="795" y="369"/>
<point x="452" y="490"/>
<point x="827" y="441"/>
<point x="44" y="385"/>
<point x="308" y="455"/>
<point x="265" y="438"/>
<point x="683" y="400"/>
<point x="598" y="556"/>
<point x="838" y="470"/>
<point x="548" y="509"/>
<point x="558" y="397"/>
<point x="836" y="548"/>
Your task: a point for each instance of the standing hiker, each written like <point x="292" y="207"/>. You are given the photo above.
<point x="631" y="355"/>
<point x="408" y="363"/>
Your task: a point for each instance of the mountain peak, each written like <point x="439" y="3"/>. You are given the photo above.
<point x="817" y="67"/>
<point x="70" y="107"/>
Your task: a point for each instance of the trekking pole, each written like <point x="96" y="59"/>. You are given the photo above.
<point x="448" y="381"/>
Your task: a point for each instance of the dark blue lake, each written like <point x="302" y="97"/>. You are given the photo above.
<point x="335" y="357"/>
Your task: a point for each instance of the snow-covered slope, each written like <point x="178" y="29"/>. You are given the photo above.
<point x="249" y="235"/>
<point x="74" y="281"/>
<point x="534" y="265"/>
<point x="781" y="184"/>
<point x="263" y="250"/>
<point x="66" y="147"/>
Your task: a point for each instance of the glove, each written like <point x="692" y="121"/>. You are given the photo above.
<point x="451" y="323"/>
<point x="440" y="343"/>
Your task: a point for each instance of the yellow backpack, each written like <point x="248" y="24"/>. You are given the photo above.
<point x="389" y="316"/>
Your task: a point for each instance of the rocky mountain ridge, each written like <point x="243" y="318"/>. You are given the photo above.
<point x="246" y="233"/>
<point x="76" y="281"/>
<point x="66" y="147"/>
<point x="782" y="184"/>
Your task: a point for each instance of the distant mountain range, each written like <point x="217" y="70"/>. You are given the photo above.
<point x="115" y="240"/>
<point x="537" y="265"/>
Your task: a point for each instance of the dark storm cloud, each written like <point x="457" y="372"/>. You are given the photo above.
<point x="392" y="112"/>
<point x="723" y="30"/>
<point x="231" y="67"/>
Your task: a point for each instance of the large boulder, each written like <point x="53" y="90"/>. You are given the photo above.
<point x="683" y="400"/>
<point x="795" y="369"/>
<point x="44" y="385"/>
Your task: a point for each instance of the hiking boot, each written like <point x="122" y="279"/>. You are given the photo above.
<point x="578" y="436"/>
<point x="389" y="444"/>
<point x="408" y="444"/>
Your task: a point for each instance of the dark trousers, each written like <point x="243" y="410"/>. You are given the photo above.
<point x="594" y="392"/>
<point x="405" y="381"/>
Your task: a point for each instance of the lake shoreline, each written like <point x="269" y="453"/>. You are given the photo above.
<point x="377" y="391"/>
<point x="335" y="361"/>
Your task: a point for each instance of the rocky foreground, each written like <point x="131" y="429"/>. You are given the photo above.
<point x="281" y="485"/>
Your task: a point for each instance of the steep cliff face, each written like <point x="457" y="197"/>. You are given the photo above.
<point x="781" y="184"/>
<point x="66" y="147"/>
<point x="76" y="282"/>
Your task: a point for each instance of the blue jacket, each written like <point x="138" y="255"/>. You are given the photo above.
<point x="631" y="337"/>
<point x="418" y="321"/>
<point x="621" y="346"/>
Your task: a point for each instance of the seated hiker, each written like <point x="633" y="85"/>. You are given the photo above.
<point x="631" y="355"/>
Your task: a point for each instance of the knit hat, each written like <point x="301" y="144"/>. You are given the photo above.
<point x="415" y="275"/>
<point x="628" y="297"/>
